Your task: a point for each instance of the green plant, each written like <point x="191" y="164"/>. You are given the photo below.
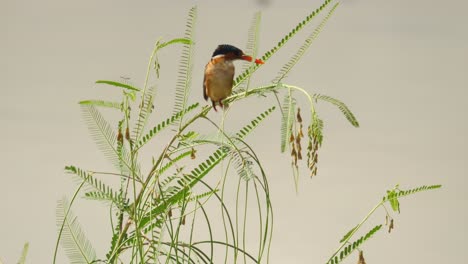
<point x="156" y="213"/>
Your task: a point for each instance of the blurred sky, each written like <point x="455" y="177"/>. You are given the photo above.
<point x="400" y="66"/>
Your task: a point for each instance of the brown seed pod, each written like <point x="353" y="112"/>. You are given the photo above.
<point x="291" y="138"/>
<point x="120" y="137"/>
<point x="361" y="259"/>
<point x="127" y="134"/>
<point x="299" y="118"/>
<point x="192" y="154"/>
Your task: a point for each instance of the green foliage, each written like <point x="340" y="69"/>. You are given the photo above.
<point x="243" y="76"/>
<point x="343" y="108"/>
<point x="346" y="251"/>
<point x="24" y="253"/>
<point x="398" y="193"/>
<point x="395" y="193"/>
<point x="102" y="103"/>
<point x="251" y="48"/>
<point x="171" y="120"/>
<point x="155" y="211"/>
<point x="288" y="106"/>
<point x="247" y="129"/>
<point x="106" y="139"/>
<point x="305" y="46"/>
<point x="146" y="108"/>
<point x="119" y="84"/>
<point x="346" y="247"/>
<point x="100" y="191"/>
<point x="184" y="78"/>
<point x="76" y="245"/>
<point x="348" y="235"/>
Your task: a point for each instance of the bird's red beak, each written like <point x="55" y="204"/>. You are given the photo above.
<point x="249" y="58"/>
<point x="246" y="58"/>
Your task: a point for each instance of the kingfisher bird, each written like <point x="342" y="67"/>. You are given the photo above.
<point x="219" y="73"/>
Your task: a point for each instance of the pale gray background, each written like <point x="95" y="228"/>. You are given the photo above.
<point x="400" y="65"/>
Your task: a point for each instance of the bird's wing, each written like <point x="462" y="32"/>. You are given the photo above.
<point x="205" y="94"/>
<point x="204" y="88"/>
<point x="205" y="81"/>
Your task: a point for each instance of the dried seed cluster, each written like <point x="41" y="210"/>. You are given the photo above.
<point x="312" y="151"/>
<point x="361" y="259"/>
<point x="295" y="141"/>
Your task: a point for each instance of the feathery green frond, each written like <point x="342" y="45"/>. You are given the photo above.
<point x="242" y="77"/>
<point x="215" y="139"/>
<point x="197" y="174"/>
<point x="287" y="118"/>
<point x="172" y="162"/>
<point x="315" y="136"/>
<point x="146" y="108"/>
<point x="202" y="195"/>
<point x="401" y="193"/>
<point x="304" y="47"/>
<point x="77" y="247"/>
<point x="251" y="47"/>
<point x="108" y="104"/>
<point x="24" y="253"/>
<point x="394" y="194"/>
<point x="171" y="120"/>
<point x="343" y="108"/>
<point x="99" y="188"/>
<point x="119" y="84"/>
<point x="349" y="234"/>
<point x="243" y="132"/>
<point x="346" y="251"/>
<point x="243" y="165"/>
<point x="185" y="41"/>
<point x="105" y="139"/>
<point x="184" y="78"/>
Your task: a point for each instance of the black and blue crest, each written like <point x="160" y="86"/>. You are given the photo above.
<point x="225" y="49"/>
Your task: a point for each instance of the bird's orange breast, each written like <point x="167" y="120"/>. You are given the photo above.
<point x="219" y="75"/>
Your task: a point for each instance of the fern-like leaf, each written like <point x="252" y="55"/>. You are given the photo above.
<point x="77" y="247"/>
<point x="346" y="251"/>
<point x="158" y="128"/>
<point x="197" y="174"/>
<point x="172" y="162"/>
<point x="146" y="108"/>
<point x="99" y="189"/>
<point x="315" y="137"/>
<point x="119" y="84"/>
<point x="108" y="104"/>
<point x="349" y="234"/>
<point x="197" y="197"/>
<point x="304" y="47"/>
<point x="251" y="47"/>
<point x="185" y="41"/>
<point x="243" y="165"/>
<point x="24" y="253"/>
<point x="106" y="140"/>
<point x="287" y="119"/>
<point x="243" y="76"/>
<point x="254" y="123"/>
<point x="394" y="194"/>
<point x="186" y="64"/>
<point x="343" y="108"/>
